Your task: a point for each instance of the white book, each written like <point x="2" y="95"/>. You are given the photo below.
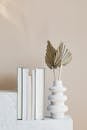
<point x="33" y="93"/>
<point x="29" y="99"/>
<point x="19" y="93"/>
<point x="40" y="83"/>
<point x="25" y="87"/>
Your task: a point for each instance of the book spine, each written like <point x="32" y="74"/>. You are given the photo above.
<point x="33" y="93"/>
<point x="25" y="86"/>
<point x="39" y="94"/>
<point x="20" y="92"/>
<point x="29" y="99"/>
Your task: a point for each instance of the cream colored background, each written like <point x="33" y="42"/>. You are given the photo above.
<point x="26" y="25"/>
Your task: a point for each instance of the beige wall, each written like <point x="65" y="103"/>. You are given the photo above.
<point x="23" y="34"/>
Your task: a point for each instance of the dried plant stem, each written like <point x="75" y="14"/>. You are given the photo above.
<point x="54" y="74"/>
<point x="59" y="76"/>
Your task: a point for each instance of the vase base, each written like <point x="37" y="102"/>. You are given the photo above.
<point x="57" y="115"/>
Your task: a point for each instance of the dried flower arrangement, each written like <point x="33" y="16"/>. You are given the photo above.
<point x="56" y="58"/>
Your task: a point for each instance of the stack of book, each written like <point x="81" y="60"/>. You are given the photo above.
<point x="31" y="94"/>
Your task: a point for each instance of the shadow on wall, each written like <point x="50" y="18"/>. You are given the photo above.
<point x="8" y="83"/>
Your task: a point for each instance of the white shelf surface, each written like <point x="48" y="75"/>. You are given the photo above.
<point x="47" y="124"/>
<point x="8" y="117"/>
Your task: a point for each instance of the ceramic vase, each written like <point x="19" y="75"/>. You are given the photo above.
<point x="57" y="98"/>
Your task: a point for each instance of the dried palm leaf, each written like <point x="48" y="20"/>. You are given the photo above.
<point x="67" y="59"/>
<point x="50" y="56"/>
<point x="63" y="55"/>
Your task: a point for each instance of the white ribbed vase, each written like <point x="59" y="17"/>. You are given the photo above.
<point x="57" y="108"/>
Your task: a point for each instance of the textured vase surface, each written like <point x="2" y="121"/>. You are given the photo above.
<point x="57" y="98"/>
